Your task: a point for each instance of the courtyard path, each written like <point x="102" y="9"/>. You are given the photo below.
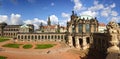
<point x="57" y="52"/>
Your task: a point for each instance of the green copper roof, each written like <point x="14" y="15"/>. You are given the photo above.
<point x="86" y="17"/>
<point x="24" y="26"/>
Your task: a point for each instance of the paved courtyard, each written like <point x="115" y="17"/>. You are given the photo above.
<point x="59" y="51"/>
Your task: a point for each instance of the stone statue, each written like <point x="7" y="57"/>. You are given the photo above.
<point x="113" y="27"/>
<point x="113" y="31"/>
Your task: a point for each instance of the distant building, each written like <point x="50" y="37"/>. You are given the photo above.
<point x="26" y="28"/>
<point x="102" y="28"/>
<point x="12" y="30"/>
<point x="63" y="29"/>
<point x="50" y="28"/>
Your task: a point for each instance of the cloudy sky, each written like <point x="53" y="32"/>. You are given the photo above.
<point x="37" y="11"/>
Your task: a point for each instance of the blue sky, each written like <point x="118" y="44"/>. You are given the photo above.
<point x="36" y="11"/>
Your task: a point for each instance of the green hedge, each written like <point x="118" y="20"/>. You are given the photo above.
<point x="12" y="45"/>
<point x="43" y="46"/>
<point x="2" y="57"/>
<point x="2" y="39"/>
<point x="27" y="46"/>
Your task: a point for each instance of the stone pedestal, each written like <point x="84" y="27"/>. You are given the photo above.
<point x="70" y="43"/>
<point x="113" y="56"/>
<point x="84" y="43"/>
<point x="114" y="48"/>
<point x="77" y="44"/>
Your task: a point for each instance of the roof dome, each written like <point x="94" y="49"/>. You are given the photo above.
<point x="86" y="17"/>
<point x="3" y="23"/>
<point x="24" y="26"/>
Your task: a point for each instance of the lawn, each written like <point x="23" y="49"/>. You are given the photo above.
<point x="2" y="57"/>
<point x="12" y="45"/>
<point x="44" y="46"/>
<point x="2" y="39"/>
<point x="27" y="46"/>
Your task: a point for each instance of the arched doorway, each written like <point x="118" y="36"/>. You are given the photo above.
<point x="88" y="40"/>
<point x="73" y="40"/>
<point x="80" y="41"/>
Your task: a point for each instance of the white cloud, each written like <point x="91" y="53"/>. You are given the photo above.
<point x="108" y="11"/>
<point x="93" y="14"/>
<point x="96" y="6"/>
<point x="36" y="22"/>
<point x="105" y="12"/>
<point x="3" y="18"/>
<point x="113" y="5"/>
<point x="66" y="17"/>
<point x="54" y="19"/>
<point x="15" y="19"/>
<point x="97" y="10"/>
<point x="78" y="5"/>
<point x="115" y="19"/>
<point x="114" y="13"/>
<point x="52" y="4"/>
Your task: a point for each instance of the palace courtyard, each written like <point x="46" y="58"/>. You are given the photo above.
<point x="58" y="51"/>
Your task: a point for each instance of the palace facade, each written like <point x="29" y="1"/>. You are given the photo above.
<point x="80" y="30"/>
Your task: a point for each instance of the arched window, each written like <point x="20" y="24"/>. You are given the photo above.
<point x="38" y="37"/>
<point x="42" y="37"/>
<point x="87" y="28"/>
<point x="21" y="37"/>
<point x="18" y="37"/>
<point x="58" y="37"/>
<point x="88" y="40"/>
<point x="32" y="37"/>
<point x="61" y="36"/>
<point x="48" y="36"/>
<point x="55" y="37"/>
<point x="28" y="37"/>
<point x="52" y="37"/>
<point x="80" y="26"/>
<point x="25" y="37"/>
<point x="35" y="37"/>
<point x="45" y="37"/>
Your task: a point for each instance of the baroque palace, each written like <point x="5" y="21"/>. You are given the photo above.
<point x="82" y="32"/>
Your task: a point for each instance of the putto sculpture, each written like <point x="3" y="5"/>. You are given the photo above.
<point x="113" y="49"/>
<point x="113" y="31"/>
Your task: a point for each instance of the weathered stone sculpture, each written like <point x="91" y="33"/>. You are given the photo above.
<point x="113" y="31"/>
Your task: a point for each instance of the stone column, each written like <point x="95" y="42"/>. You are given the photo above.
<point x="70" y="29"/>
<point x="84" y="28"/>
<point x="50" y="37"/>
<point x="92" y="28"/>
<point x="77" y="44"/>
<point x="84" y="43"/>
<point x="70" y="42"/>
<point x="76" y="28"/>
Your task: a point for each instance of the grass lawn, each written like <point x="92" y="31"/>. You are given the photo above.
<point x="12" y="45"/>
<point x="2" y="39"/>
<point x="27" y="46"/>
<point x="2" y="57"/>
<point x="44" y="46"/>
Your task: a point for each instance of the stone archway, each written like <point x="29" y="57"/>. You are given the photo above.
<point x="80" y="41"/>
<point x="88" y="40"/>
<point x="73" y="40"/>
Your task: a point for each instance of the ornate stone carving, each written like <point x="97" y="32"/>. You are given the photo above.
<point x="113" y="31"/>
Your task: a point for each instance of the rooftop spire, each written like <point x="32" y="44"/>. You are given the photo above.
<point x="73" y="13"/>
<point x="49" y="22"/>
